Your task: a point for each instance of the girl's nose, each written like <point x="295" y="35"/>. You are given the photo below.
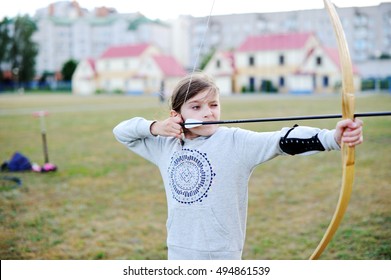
<point x="207" y="112"/>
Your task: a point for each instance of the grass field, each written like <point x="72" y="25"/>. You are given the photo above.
<point x="106" y="203"/>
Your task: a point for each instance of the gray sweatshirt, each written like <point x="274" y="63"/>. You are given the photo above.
<point x="206" y="180"/>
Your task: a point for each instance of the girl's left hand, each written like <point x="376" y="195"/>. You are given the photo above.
<point x="349" y="132"/>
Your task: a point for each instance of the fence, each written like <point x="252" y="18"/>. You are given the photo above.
<point x="13" y="86"/>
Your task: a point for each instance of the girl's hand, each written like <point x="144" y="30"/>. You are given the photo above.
<point x="170" y="127"/>
<point x="349" y="132"/>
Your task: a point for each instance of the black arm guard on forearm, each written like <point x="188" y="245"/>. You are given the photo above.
<point x="294" y="146"/>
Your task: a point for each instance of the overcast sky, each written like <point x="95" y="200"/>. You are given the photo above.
<point x="168" y="9"/>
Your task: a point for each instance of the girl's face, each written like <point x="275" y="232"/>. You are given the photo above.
<point x="205" y="106"/>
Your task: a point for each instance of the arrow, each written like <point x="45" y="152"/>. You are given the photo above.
<point x="192" y="123"/>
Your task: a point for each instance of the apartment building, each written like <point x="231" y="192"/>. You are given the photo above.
<point x="67" y="31"/>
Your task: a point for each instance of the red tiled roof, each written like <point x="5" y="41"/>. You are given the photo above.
<point x="169" y="66"/>
<point x="275" y="42"/>
<point x="231" y="58"/>
<point x="91" y="62"/>
<point x="125" y="51"/>
<point x="334" y="56"/>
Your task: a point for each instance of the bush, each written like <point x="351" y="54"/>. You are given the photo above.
<point x="267" y="86"/>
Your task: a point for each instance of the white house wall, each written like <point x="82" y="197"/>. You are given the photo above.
<point x="149" y="67"/>
<point x="83" y="79"/>
<point x="117" y="64"/>
<point x="115" y="74"/>
<point x="83" y="87"/>
<point x="152" y="75"/>
<point x="224" y="83"/>
<point x="83" y="70"/>
<point x="300" y="84"/>
<point x="223" y="74"/>
<point x="328" y="68"/>
<point x="268" y="62"/>
<point x="135" y="86"/>
<point x="266" y="67"/>
<point x="225" y="66"/>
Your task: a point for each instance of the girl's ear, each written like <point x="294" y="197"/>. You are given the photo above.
<point x="174" y="113"/>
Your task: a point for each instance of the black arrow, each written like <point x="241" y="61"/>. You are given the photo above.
<point x="194" y="123"/>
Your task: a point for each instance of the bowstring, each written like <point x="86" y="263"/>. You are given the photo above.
<point x="199" y="50"/>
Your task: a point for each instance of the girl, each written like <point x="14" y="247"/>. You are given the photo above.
<point x="206" y="169"/>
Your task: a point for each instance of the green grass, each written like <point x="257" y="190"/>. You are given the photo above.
<point x="105" y="202"/>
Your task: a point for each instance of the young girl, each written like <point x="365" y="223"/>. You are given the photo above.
<point x="206" y="169"/>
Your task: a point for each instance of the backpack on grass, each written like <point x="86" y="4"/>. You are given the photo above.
<point x="18" y="162"/>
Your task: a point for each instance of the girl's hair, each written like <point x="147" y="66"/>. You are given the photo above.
<point x="189" y="87"/>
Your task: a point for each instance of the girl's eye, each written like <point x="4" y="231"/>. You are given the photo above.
<point x="195" y="107"/>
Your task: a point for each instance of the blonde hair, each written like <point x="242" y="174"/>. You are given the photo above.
<point x="189" y="87"/>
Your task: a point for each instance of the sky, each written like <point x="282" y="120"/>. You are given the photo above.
<point x="170" y="9"/>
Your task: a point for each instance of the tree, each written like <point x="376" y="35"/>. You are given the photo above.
<point x="22" y="50"/>
<point x="68" y="69"/>
<point x="206" y="58"/>
<point x="4" y="44"/>
<point x="385" y="56"/>
<point x="4" y="40"/>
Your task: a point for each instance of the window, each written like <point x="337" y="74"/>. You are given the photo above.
<point x="251" y="61"/>
<point x="251" y="84"/>
<point x="325" y="81"/>
<point x="281" y="59"/>
<point x="318" y="61"/>
<point x="281" y="81"/>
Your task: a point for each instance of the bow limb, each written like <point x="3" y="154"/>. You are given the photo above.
<point x="348" y="157"/>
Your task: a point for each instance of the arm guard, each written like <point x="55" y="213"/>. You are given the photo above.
<point x="294" y="146"/>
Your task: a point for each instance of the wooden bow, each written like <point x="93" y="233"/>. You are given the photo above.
<point x="347" y="112"/>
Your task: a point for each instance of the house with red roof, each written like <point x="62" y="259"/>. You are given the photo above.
<point x="118" y="68"/>
<point x="160" y="74"/>
<point x="323" y="66"/>
<point x="289" y="62"/>
<point x="133" y="69"/>
<point x="271" y="60"/>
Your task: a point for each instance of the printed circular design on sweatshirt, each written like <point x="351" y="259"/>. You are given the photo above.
<point x="191" y="176"/>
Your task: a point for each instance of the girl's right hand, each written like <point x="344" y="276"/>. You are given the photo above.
<point x="170" y="127"/>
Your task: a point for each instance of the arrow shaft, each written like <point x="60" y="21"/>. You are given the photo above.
<point x="294" y="118"/>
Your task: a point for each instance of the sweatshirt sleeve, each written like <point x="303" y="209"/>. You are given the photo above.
<point x="257" y="147"/>
<point x="304" y="140"/>
<point x="135" y="134"/>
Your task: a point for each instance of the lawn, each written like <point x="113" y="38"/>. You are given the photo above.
<point x="106" y="203"/>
